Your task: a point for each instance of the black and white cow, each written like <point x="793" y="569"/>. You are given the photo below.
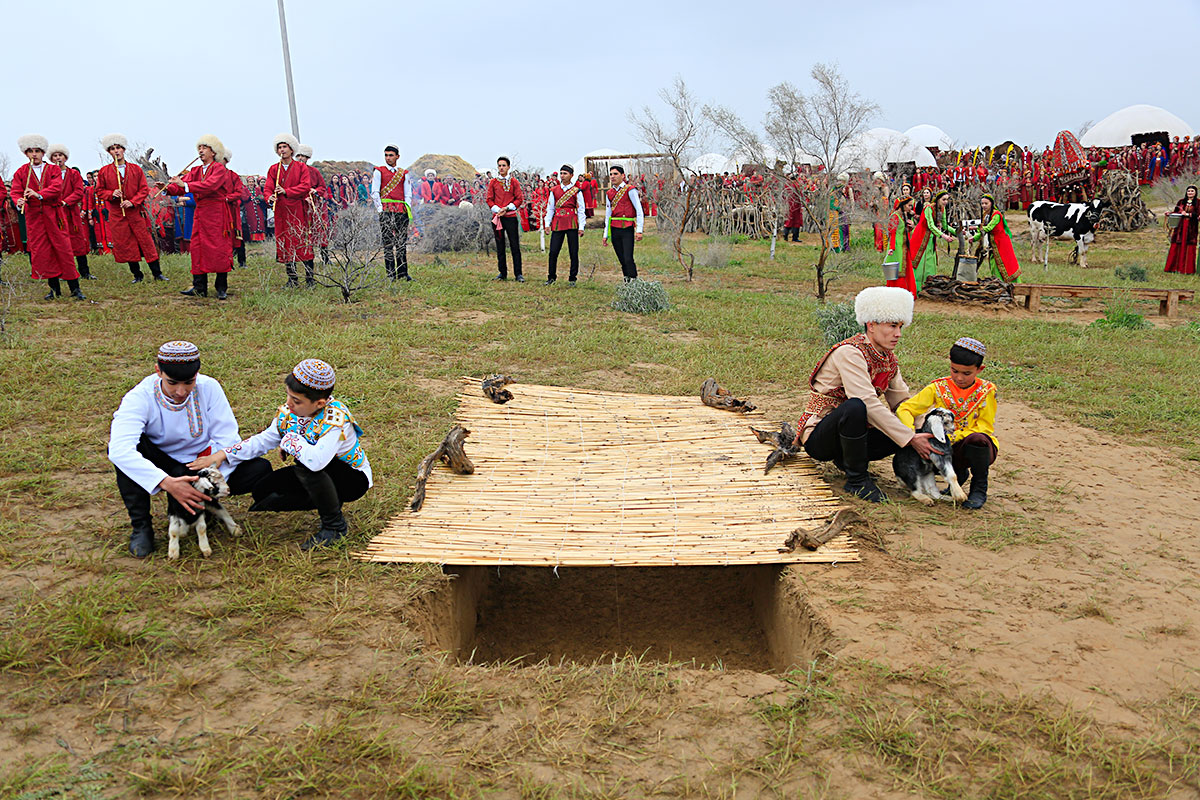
<point x="1076" y="221"/>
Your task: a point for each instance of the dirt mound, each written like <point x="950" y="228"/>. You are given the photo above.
<point x="330" y="168"/>
<point x="453" y="166"/>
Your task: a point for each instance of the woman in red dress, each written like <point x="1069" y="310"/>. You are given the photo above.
<point x="1181" y="257"/>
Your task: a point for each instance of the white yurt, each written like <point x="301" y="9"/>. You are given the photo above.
<point x="1115" y="129"/>
<point x="926" y="135"/>
<point x="712" y="164"/>
<point x="874" y="149"/>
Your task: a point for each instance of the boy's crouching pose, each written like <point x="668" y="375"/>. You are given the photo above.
<point x="331" y="466"/>
<point x="972" y="400"/>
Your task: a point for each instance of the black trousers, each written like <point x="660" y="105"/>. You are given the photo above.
<point x="850" y="420"/>
<point x="137" y="500"/>
<point x="510" y="228"/>
<point x="350" y="483"/>
<point x="393" y="226"/>
<point x="556" y="243"/>
<point x="622" y="244"/>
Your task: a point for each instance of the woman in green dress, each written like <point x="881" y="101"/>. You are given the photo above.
<point x="930" y="226"/>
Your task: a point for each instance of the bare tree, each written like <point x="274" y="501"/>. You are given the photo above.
<point x="679" y="136"/>
<point x="801" y="129"/>
<point x="355" y="252"/>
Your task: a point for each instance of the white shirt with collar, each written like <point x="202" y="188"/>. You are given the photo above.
<point x="377" y="185"/>
<point x="550" y="206"/>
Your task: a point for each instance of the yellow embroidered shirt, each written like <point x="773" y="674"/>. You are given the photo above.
<point x="974" y="408"/>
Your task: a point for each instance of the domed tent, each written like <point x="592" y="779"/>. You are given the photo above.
<point x="1118" y="128"/>
<point x="876" y="148"/>
<point x="929" y="136"/>
<point x="712" y="164"/>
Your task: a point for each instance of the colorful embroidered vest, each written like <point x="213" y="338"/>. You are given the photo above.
<point x="965" y="407"/>
<point x="566" y="207"/>
<point x="881" y="365"/>
<point x="334" y="415"/>
<point x="623" y="213"/>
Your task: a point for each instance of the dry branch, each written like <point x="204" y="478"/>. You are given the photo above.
<point x="449" y="451"/>
<point x="714" y="395"/>
<point x="812" y="538"/>
<point x="990" y="291"/>
<point x="784" y="440"/>
<point x="493" y="387"/>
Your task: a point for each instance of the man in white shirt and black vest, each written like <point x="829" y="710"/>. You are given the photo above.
<point x="565" y="218"/>
<point x="392" y="196"/>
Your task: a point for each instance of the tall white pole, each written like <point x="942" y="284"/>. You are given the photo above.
<point x="287" y="69"/>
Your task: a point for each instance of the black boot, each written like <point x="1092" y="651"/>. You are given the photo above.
<point x="978" y="457"/>
<point x="137" y="503"/>
<point x="858" y="476"/>
<point x="292" y="283"/>
<point x="55" y="289"/>
<point x="240" y="252"/>
<point x="156" y="270"/>
<point x="135" y="268"/>
<point x="222" y="285"/>
<point x="199" y="286"/>
<point x="85" y="271"/>
<point x="324" y="495"/>
<point x="310" y="282"/>
<point x="73" y="286"/>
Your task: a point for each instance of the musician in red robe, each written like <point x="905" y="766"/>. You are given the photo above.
<point x="236" y="194"/>
<point x="289" y="188"/>
<point x="320" y="203"/>
<point x="122" y="188"/>
<point x="37" y="191"/>
<point x="72" y="205"/>
<point x="209" y="246"/>
<point x="504" y="197"/>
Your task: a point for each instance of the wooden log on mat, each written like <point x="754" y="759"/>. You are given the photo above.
<point x="451" y="452"/>
<point x="714" y="395"/>
<point x="784" y="441"/>
<point x="493" y="387"/>
<point x="812" y="538"/>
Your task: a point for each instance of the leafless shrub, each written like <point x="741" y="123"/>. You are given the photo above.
<point x="716" y="254"/>
<point x="454" y="228"/>
<point x="355" y="253"/>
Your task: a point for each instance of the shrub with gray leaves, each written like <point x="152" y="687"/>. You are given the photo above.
<point x="837" y="322"/>
<point x="641" y="297"/>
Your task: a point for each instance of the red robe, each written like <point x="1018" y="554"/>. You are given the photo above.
<point x="236" y="193"/>
<point x="210" y="247"/>
<point x="72" y="201"/>
<point x="292" y="241"/>
<point x="321" y="212"/>
<point x="130" y="231"/>
<point x="45" y="228"/>
<point x="1181" y="257"/>
<point x="10" y="225"/>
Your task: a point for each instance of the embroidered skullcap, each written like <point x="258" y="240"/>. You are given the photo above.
<point x="974" y="345"/>
<point x="314" y="373"/>
<point x="178" y="351"/>
<point x="883" y="304"/>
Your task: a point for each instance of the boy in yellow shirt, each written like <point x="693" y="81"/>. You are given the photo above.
<point x="972" y="400"/>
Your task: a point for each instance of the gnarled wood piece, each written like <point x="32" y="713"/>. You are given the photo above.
<point x="714" y="395"/>
<point x="493" y="387"/>
<point x="449" y="451"/>
<point x="812" y="538"/>
<point x="784" y="441"/>
<point x="987" y="290"/>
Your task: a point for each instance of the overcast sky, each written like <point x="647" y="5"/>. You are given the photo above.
<point x="478" y="79"/>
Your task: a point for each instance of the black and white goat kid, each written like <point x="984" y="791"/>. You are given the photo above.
<point x="917" y="473"/>
<point x="211" y="483"/>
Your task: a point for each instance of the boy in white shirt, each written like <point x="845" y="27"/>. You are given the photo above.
<point x="320" y="432"/>
<point x="163" y="425"/>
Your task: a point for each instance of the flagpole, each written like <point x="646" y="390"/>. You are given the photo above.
<point x="287" y="70"/>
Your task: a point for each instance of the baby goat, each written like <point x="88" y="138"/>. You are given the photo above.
<point x="917" y="473"/>
<point x="212" y="483"/>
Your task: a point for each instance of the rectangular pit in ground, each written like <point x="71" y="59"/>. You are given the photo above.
<point x="741" y="617"/>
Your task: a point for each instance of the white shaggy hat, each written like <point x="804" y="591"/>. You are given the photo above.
<point x="58" y="148"/>
<point x="288" y="139"/>
<point x="304" y="150"/>
<point x="32" y="141"/>
<point x="227" y="155"/>
<point x="111" y="139"/>
<point x="432" y="172"/>
<point x="218" y="147"/>
<point x="883" y="304"/>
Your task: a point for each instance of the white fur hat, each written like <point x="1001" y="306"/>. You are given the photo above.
<point x="58" y="148"/>
<point x="883" y="304"/>
<point x="288" y="139"/>
<point x="111" y="139"/>
<point x="227" y="155"/>
<point x="304" y="150"/>
<point x="32" y="141"/>
<point x="218" y="147"/>
<point x="432" y="172"/>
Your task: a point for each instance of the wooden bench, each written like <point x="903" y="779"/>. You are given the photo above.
<point x="1168" y="299"/>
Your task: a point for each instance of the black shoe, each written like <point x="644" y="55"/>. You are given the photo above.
<point x="520" y="279"/>
<point x="501" y="278"/>
<point x="406" y="277"/>
<point x="571" y="282"/>
<point x="858" y="476"/>
<point x="141" y="541"/>
<point x="550" y="281"/>
<point x="310" y="284"/>
<point x="137" y="279"/>
<point x="78" y="295"/>
<point x="322" y="538"/>
<point x="978" y="457"/>
<point x="194" y="292"/>
<point x="50" y="295"/>
<point x="292" y="283"/>
<point x="88" y="277"/>
<point x="160" y="277"/>
<point x="221" y="295"/>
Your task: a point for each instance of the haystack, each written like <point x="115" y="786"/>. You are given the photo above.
<point x="446" y="166"/>
<point x="330" y="168"/>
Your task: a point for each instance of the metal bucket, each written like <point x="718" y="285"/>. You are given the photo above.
<point x="891" y="270"/>
<point x="966" y="268"/>
<point x="1173" y="220"/>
